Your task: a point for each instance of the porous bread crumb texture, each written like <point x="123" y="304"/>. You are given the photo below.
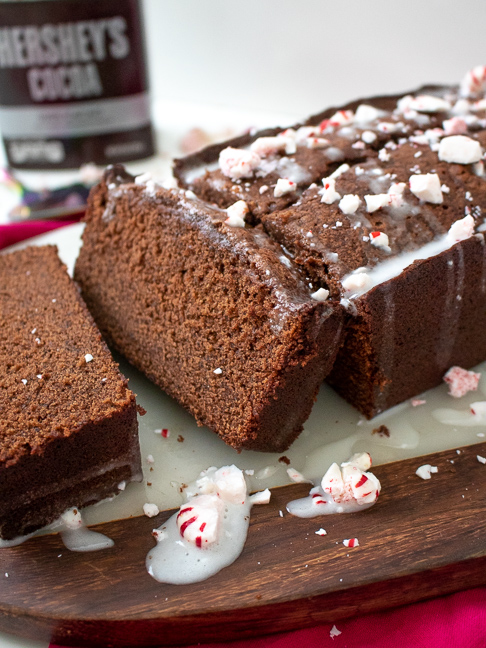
<point x="203" y="295"/>
<point x="69" y="434"/>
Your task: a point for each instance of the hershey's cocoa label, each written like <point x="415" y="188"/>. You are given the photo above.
<point x="73" y="83"/>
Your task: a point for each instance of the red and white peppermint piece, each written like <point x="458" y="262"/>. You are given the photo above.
<point x="383" y="155"/>
<point x="199" y="520"/>
<point x="454" y="126"/>
<point x="356" y="282"/>
<point x="429" y="104"/>
<point x="351" y="542"/>
<point x="366" y="114"/>
<point x="230" y="484"/>
<point x="474" y="82"/>
<point x="316" y="142"/>
<point x="368" y="136"/>
<point x="321" y="532"/>
<point x="379" y="239"/>
<point x="296" y="476"/>
<point x="150" y="510"/>
<point x="415" y="402"/>
<point x="426" y="186"/>
<point x="320" y="295"/>
<point x="334" y="632"/>
<point x="376" y="201"/>
<point x="360" y="460"/>
<point x="261" y="497"/>
<point x="236" y="214"/>
<point x="341" y="117"/>
<point x="425" y="471"/>
<point x="329" y="193"/>
<point x="461" y="229"/>
<point x="478" y="410"/>
<point x="265" y="146"/>
<point x="459" y="149"/>
<point x="238" y="163"/>
<point x="164" y="433"/>
<point x="339" y="171"/>
<point x="461" y="381"/>
<point x="349" y="203"/>
<point x="284" y="186"/>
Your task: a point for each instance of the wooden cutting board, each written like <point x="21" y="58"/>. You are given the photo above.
<point x="422" y="539"/>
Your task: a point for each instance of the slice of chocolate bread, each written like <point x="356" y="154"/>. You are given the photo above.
<point x="421" y="173"/>
<point x="68" y="430"/>
<point x="216" y="314"/>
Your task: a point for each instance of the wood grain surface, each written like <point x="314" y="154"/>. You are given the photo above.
<point x="422" y="539"/>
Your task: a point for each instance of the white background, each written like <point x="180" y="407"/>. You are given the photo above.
<point x="298" y="57"/>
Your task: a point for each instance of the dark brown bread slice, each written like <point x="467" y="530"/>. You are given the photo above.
<point x="68" y="430"/>
<point x="405" y="332"/>
<point x="215" y="315"/>
<point x="409" y="330"/>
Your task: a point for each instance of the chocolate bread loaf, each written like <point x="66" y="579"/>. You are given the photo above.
<point x="212" y="311"/>
<point x="68" y="430"/>
<point x="381" y="203"/>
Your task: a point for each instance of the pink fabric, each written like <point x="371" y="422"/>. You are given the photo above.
<point x="455" y="621"/>
<point x="16" y="232"/>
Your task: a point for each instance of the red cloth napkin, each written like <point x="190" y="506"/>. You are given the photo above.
<point x="16" y="232"/>
<point x="455" y="621"/>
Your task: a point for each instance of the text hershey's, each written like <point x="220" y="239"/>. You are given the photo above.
<point x="62" y="57"/>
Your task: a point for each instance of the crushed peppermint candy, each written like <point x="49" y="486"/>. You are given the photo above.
<point x="351" y="542"/>
<point x="425" y="471"/>
<point x="454" y="126"/>
<point x="334" y="632"/>
<point x="329" y="193"/>
<point x="343" y="489"/>
<point x="261" y="497"/>
<point x="264" y="146"/>
<point x="88" y="357"/>
<point x="150" y="510"/>
<point x="429" y="104"/>
<point x="320" y="295"/>
<point x="236" y="214"/>
<point x="164" y="433"/>
<point x="481" y="459"/>
<point x="24" y="381"/>
<point x="238" y="163"/>
<point x="218" y="371"/>
<point x="460" y="149"/>
<point x="284" y="186"/>
<point x="376" y="201"/>
<point x="349" y="203"/>
<point x="474" y="81"/>
<point x="356" y="282"/>
<point x="368" y="136"/>
<point x="461" y="381"/>
<point x="339" y="171"/>
<point x="321" y="532"/>
<point x="426" y="186"/>
<point x="461" y="229"/>
<point x="478" y="410"/>
<point x="316" y="142"/>
<point x="383" y="155"/>
<point x="415" y="402"/>
<point x="379" y="239"/>
<point x="296" y="476"/>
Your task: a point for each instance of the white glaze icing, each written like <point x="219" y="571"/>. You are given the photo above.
<point x="209" y="531"/>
